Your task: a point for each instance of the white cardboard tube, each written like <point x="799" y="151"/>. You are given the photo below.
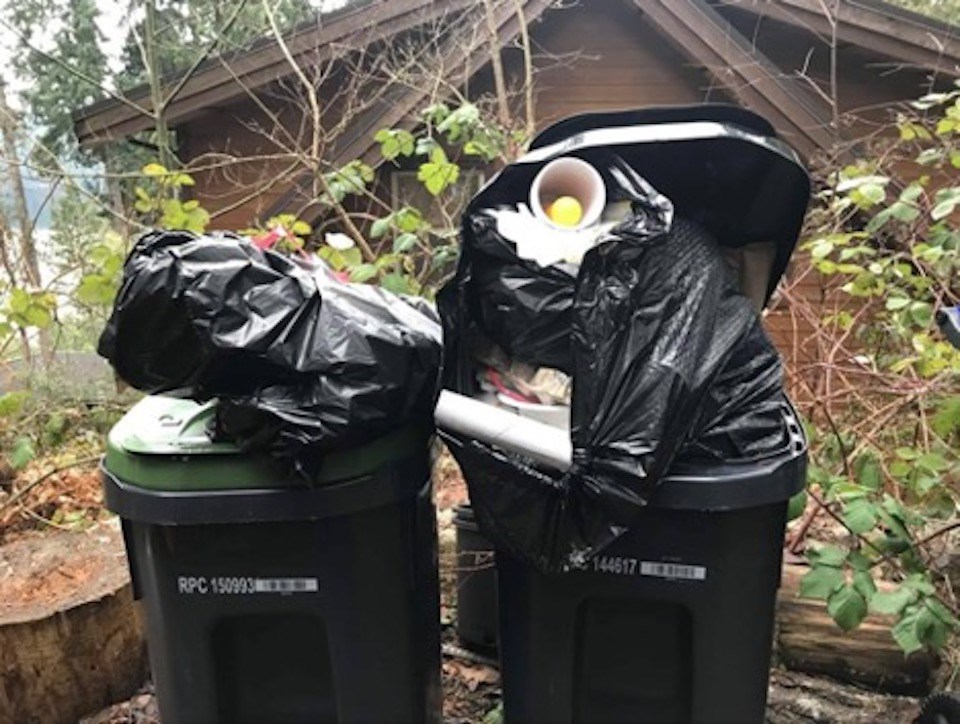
<point x="547" y="445"/>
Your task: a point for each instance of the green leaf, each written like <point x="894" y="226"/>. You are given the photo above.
<point x="394" y="143"/>
<point x="895" y="303"/>
<point x="438" y="173"/>
<point x="404" y="243"/>
<point x="22" y="453"/>
<point x="847" y="606"/>
<point x="397" y="283"/>
<point x="946" y="201"/>
<point x="905" y="633"/>
<point x="19" y="301"/>
<point x="867" y="470"/>
<point x="821" y="248"/>
<point x="942" y="612"/>
<point x="821" y="581"/>
<point x="920" y="583"/>
<point x="12" y="403"/>
<point x="154" y="170"/>
<point x="828" y="555"/>
<point x="796" y="506"/>
<point x="921" y="313"/>
<point x="363" y="273"/>
<point x="900" y="469"/>
<point x="907" y="453"/>
<point x="409" y="219"/>
<point x="894" y="518"/>
<point x="860" y="515"/>
<point x="96" y="290"/>
<point x="931" y="629"/>
<point x="892" y="602"/>
<point x="938" y="504"/>
<point x="933" y="462"/>
<point x="380" y="227"/>
<point x="859" y="562"/>
<point x="863" y="582"/>
<point x="352" y="256"/>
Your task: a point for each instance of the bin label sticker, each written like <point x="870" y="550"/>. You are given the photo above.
<point x="673" y="570"/>
<point x="244" y="585"/>
<point x="624" y="566"/>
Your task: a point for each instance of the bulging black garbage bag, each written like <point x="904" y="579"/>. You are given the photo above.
<point x="669" y="361"/>
<point x="302" y="363"/>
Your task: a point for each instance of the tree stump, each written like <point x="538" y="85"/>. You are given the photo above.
<point x="71" y="640"/>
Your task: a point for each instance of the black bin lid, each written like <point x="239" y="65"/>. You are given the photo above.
<point x="720" y="165"/>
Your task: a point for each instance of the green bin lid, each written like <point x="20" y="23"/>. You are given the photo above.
<point x="163" y="443"/>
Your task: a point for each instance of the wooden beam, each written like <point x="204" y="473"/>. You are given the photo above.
<point x="808" y="640"/>
<point x="214" y="84"/>
<point x="712" y="42"/>
<point x="397" y="108"/>
<point x="876" y="26"/>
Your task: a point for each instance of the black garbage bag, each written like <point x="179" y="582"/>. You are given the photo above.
<point x="669" y="360"/>
<point x="302" y="363"/>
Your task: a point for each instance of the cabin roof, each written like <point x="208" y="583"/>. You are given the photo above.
<point x="697" y="27"/>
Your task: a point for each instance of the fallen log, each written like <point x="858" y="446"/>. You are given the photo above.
<point x="808" y="640"/>
<point x="796" y="698"/>
<point x="71" y="640"/>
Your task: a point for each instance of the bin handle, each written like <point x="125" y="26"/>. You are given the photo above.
<point x="201" y="411"/>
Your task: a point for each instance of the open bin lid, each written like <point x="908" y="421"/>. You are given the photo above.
<point x="721" y="166"/>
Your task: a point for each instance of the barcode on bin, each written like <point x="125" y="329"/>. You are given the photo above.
<point x="286" y="585"/>
<point x="673" y="570"/>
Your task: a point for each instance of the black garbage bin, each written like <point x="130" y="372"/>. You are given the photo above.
<point x="637" y="559"/>
<point x="673" y="622"/>
<point x="476" y="585"/>
<point x="268" y="600"/>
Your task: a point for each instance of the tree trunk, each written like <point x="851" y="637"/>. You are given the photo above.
<point x="28" y="252"/>
<point x="155" y="80"/>
<point x="29" y="260"/>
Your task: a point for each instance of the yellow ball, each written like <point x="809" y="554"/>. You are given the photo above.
<point x="565" y="211"/>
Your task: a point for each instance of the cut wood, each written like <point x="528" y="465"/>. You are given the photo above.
<point x="808" y="640"/>
<point x="71" y="641"/>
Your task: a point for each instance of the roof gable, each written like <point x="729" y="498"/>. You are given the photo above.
<point x="695" y="26"/>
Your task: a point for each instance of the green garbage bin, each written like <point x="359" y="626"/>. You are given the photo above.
<point x="270" y="599"/>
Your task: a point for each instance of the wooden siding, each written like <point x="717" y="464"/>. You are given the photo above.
<point x="618" y="61"/>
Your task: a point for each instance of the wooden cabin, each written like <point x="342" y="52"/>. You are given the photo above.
<point x="825" y="83"/>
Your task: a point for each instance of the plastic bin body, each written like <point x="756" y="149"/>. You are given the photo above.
<point x="673" y="623"/>
<point x="476" y="585"/>
<point x="287" y="604"/>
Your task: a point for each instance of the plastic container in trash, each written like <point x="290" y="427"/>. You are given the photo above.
<point x="673" y="622"/>
<point x="476" y="585"/>
<point x="268" y="600"/>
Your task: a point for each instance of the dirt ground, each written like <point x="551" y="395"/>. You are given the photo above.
<point x="37" y="500"/>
